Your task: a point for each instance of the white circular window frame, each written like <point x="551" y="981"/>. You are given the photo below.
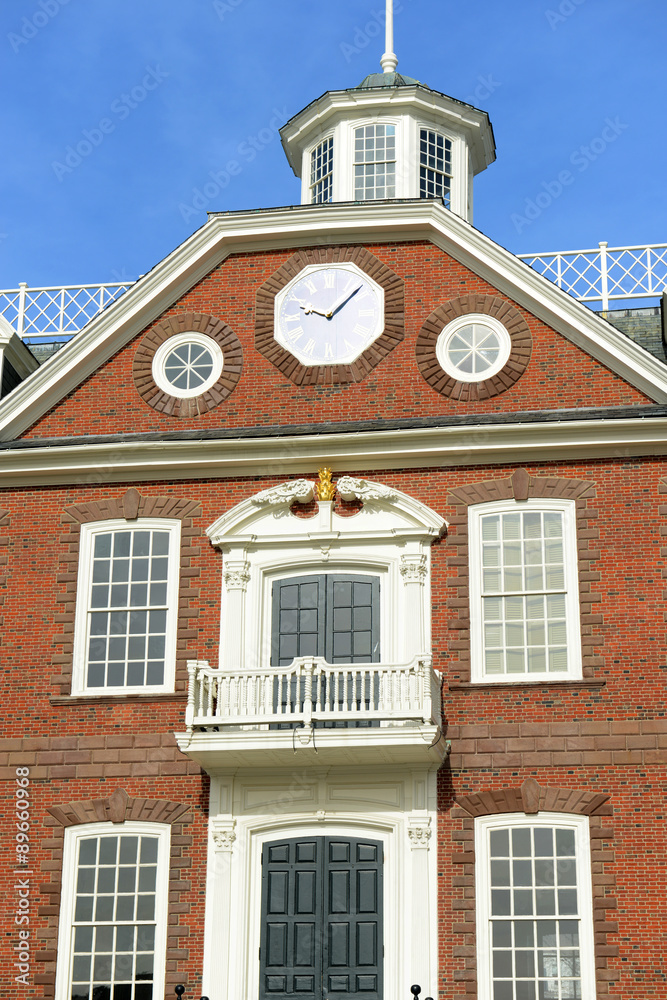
<point x="458" y="324"/>
<point x="165" y="349"/>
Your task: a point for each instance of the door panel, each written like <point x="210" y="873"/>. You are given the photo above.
<point x="321" y="919"/>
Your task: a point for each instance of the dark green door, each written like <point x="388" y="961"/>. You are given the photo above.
<point x="321" y="919"/>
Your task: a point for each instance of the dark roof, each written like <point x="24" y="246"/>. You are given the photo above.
<point x="386" y="80"/>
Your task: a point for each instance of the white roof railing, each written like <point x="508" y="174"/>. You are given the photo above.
<point x="605" y="274"/>
<point x="56" y="311"/>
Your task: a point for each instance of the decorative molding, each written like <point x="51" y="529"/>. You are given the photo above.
<point x="325" y="489"/>
<point x="419" y="834"/>
<point x="236" y="574"/>
<point x="209" y="326"/>
<point x="394" y="311"/>
<point x="298" y="490"/>
<point x="489" y="305"/>
<point x="360" y="489"/>
<point x="224" y="835"/>
<point x="413" y="568"/>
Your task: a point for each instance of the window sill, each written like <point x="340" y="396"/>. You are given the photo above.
<point x="526" y="685"/>
<point x="112" y="699"/>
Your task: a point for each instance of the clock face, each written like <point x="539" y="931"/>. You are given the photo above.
<point x="329" y="314"/>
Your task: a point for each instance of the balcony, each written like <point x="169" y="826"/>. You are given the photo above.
<point x="323" y="713"/>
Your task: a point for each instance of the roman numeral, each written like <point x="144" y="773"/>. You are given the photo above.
<point x="310" y="285"/>
<point x="362" y="331"/>
<point x="295" y="333"/>
<point x="328" y="351"/>
<point x="309" y="348"/>
<point x="329" y="279"/>
<point x="366" y="312"/>
<point x="293" y="318"/>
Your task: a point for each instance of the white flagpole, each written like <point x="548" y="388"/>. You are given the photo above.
<point x="389" y="60"/>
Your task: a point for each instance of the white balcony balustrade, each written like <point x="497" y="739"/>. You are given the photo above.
<point x="383" y="711"/>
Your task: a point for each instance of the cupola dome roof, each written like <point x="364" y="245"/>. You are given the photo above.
<point x="386" y="80"/>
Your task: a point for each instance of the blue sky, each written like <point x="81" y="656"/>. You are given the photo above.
<point x="168" y="91"/>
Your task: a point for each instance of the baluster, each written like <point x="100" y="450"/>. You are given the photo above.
<point x="415" y="990"/>
<point x="346" y="690"/>
<point x="209" y="705"/>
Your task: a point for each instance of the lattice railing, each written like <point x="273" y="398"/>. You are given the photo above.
<point x="606" y="274"/>
<point x="56" y="311"/>
<point x="312" y="690"/>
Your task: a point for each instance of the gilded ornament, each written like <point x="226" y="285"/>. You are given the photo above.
<point x="325" y="489"/>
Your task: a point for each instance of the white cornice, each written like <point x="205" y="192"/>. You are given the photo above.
<point x="321" y="225"/>
<point x="484" y="444"/>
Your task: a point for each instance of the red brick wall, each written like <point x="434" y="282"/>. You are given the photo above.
<point x="606" y="735"/>
<point x="559" y="375"/>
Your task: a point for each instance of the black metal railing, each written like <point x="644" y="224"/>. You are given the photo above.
<point x="415" y="990"/>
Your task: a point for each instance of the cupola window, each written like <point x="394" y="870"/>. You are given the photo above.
<point x="435" y="166"/>
<point x="321" y="172"/>
<point x="374" y="162"/>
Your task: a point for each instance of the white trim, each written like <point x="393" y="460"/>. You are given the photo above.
<point x="331" y="224"/>
<point x="571" y="572"/>
<point x="260" y="545"/>
<point x="73" y="835"/>
<point x="257" y="807"/>
<point x="88" y="533"/>
<point x="179" y="340"/>
<point x="473" y="319"/>
<point x="581" y="827"/>
<point x="447" y="446"/>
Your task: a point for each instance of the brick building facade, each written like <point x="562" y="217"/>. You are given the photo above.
<point x="274" y="733"/>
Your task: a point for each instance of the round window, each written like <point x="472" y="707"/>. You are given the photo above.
<point x="472" y="348"/>
<point x="187" y="365"/>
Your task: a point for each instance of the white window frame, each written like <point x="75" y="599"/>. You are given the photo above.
<point x="330" y="137"/>
<point x="581" y="827"/>
<point x="73" y="835"/>
<point x="460" y="323"/>
<point x="180" y="340"/>
<point x="446" y="138"/>
<point x="80" y="656"/>
<point x="571" y="573"/>
<point x="398" y="142"/>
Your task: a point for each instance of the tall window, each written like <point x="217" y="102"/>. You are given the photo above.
<point x="374" y="162"/>
<point x="534" y="910"/>
<point x="524" y="591"/>
<point x="114" y="915"/>
<point x="435" y="166"/>
<point x="126" y="606"/>
<point x="321" y="172"/>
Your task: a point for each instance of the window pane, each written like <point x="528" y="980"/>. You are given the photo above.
<point x="522" y="555"/>
<point x="532" y="955"/>
<point x="105" y="953"/>
<point x="139" y="556"/>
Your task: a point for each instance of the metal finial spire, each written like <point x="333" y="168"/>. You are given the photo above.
<point x="389" y="60"/>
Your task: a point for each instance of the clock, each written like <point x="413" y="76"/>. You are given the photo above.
<point x="329" y="314"/>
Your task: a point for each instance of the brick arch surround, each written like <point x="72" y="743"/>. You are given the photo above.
<point x="532" y="798"/>
<point x="129" y="506"/>
<point x="522" y="486"/>
<point x="117" y="808"/>
<point x="487" y="305"/>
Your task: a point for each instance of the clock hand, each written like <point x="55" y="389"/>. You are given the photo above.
<point x="309" y="308"/>
<point x="341" y="301"/>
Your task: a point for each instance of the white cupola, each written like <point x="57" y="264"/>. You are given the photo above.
<point x="389" y="138"/>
